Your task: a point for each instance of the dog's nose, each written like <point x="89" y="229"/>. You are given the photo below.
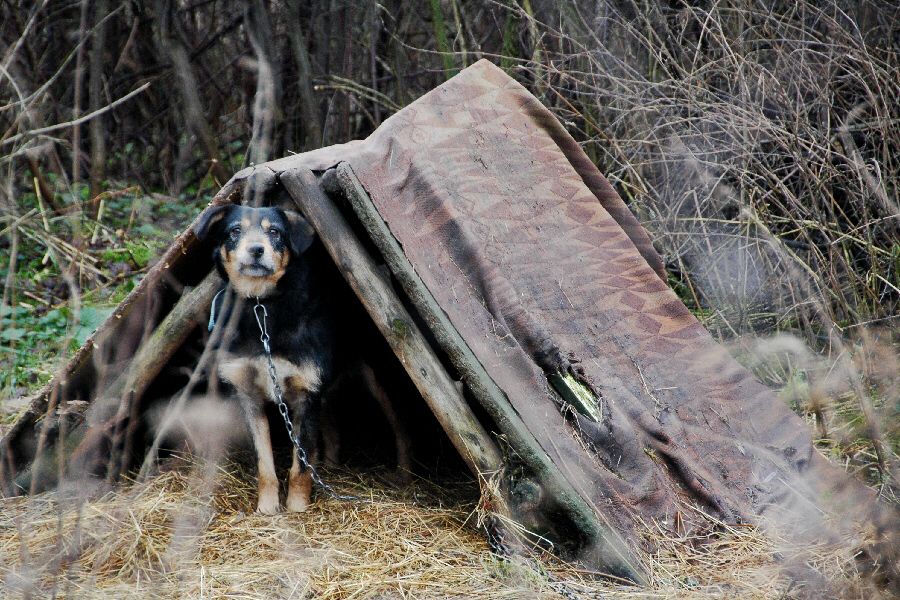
<point x="256" y="250"/>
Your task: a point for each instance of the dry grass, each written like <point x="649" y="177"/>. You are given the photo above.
<point x="189" y="532"/>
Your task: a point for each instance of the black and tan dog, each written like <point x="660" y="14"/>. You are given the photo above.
<point x="272" y="255"/>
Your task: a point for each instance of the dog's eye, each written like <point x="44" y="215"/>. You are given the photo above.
<point x="235" y="233"/>
<point x="274" y="233"/>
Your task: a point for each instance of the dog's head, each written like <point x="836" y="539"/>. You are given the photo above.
<point x="253" y="246"/>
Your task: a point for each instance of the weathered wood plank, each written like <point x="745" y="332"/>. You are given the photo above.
<point x="166" y="339"/>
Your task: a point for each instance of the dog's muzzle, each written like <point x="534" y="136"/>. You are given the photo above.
<point x="255" y="270"/>
<point x="253" y="261"/>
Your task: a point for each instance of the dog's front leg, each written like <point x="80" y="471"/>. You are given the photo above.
<point x="299" y="488"/>
<point x="306" y="424"/>
<point x="249" y="384"/>
<point x="265" y="463"/>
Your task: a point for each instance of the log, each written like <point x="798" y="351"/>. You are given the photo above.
<point x="608" y="547"/>
<point x="427" y="373"/>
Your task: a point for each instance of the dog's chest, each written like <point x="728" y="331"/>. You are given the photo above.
<point x="297" y="333"/>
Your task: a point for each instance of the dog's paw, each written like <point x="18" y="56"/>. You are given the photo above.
<point x="268" y="508"/>
<point x="268" y="504"/>
<point x="299" y="492"/>
<point x="297" y="503"/>
<point x="400" y="477"/>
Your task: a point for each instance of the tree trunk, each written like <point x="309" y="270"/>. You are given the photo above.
<point x="76" y="97"/>
<point x="95" y="99"/>
<point x="265" y="103"/>
<point x="309" y="107"/>
<point x="172" y="46"/>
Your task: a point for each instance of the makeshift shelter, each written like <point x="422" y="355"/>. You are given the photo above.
<point x="598" y="397"/>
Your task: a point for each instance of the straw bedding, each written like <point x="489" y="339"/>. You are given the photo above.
<point x="189" y="532"/>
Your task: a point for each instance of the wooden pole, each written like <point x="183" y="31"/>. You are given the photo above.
<point x="154" y="353"/>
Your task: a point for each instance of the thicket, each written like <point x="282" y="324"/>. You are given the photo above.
<point x="758" y="142"/>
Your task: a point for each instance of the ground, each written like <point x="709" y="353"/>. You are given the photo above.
<point x="190" y="532"/>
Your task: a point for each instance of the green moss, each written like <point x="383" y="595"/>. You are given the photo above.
<point x="141" y="253"/>
<point x="399" y="327"/>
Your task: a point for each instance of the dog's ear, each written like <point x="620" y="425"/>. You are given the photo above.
<point x="300" y="234"/>
<point x="208" y="219"/>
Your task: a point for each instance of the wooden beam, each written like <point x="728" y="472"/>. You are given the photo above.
<point x="154" y="353"/>
<point x="607" y="546"/>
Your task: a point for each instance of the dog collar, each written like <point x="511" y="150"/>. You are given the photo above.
<point x="212" y="310"/>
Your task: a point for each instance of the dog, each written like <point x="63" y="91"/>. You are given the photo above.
<point x="271" y="256"/>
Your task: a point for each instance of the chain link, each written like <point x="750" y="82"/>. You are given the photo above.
<point x="261" y="314"/>
<point x="495" y="538"/>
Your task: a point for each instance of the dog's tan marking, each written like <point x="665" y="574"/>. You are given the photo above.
<point x="243" y="374"/>
<point x="282" y="259"/>
<point x="265" y="223"/>
<point x="231" y="270"/>
<point x="252" y="287"/>
<point x="304" y="376"/>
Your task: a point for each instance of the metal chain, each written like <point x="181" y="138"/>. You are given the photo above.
<point x="260" y="312"/>
<point x="495" y="538"/>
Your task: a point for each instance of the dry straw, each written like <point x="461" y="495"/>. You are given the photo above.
<point x="189" y="532"/>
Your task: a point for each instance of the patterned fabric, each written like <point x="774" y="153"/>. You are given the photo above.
<point x="540" y="266"/>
